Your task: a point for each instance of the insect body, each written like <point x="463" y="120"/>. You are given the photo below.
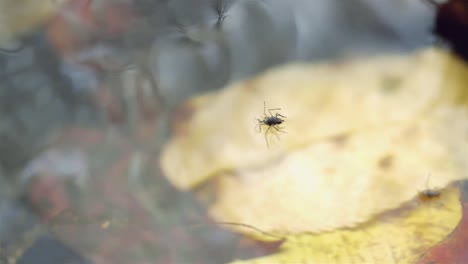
<point x="272" y="121"/>
<point x="430" y="193"/>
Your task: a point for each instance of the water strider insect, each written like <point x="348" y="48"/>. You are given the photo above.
<point x="221" y="12"/>
<point x="272" y="121"/>
<point x="430" y="193"/>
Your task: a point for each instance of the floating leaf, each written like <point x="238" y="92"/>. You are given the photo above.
<point x="361" y="138"/>
<point x="399" y="236"/>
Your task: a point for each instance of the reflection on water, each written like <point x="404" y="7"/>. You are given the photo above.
<point x="86" y="91"/>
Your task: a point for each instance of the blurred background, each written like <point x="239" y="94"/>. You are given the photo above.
<point x="86" y="92"/>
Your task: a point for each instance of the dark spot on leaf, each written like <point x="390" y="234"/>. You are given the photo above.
<point x="386" y="162"/>
<point x="390" y="84"/>
<point x="340" y="140"/>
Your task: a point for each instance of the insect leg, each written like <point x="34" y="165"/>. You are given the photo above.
<point x="277" y="137"/>
<point x="259" y="125"/>
<point x="279" y="129"/>
<point x="280" y="115"/>
<point x="275" y="109"/>
<point x="266" y="136"/>
<point x="221" y="10"/>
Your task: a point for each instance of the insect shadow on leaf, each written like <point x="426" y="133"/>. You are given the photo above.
<point x="271" y="121"/>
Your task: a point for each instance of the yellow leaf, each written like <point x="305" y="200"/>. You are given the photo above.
<point x="399" y="236"/>
<point x="361" y="138"/>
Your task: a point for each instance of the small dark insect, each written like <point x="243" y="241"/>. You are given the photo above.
<point x="221" y="11"/>
<point x="428" y="193"/>
<point x="272" y="121"/>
